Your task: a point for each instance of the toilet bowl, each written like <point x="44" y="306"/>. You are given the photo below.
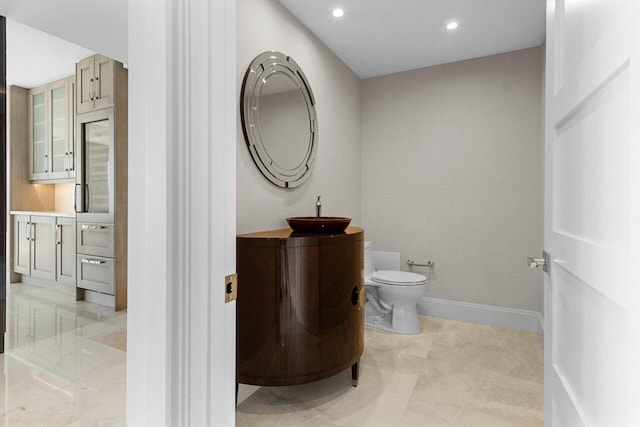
<point x="392" y="297"/>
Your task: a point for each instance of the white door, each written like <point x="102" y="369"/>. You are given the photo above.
<point x="591" y="212"/>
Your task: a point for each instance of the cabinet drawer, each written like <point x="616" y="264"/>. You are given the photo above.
<point x="96" y="274"/>
<point x="96" y="239"/>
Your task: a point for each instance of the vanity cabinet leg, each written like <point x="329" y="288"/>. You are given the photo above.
<point x="355" y="373"/>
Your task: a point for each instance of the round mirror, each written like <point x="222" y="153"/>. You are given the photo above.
<point x="279" y="119"/>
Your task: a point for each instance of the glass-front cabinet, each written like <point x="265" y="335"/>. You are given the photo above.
<point x="51" y="109"/>
<point x="39" y="147"/>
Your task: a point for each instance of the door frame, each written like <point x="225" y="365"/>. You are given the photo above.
<point x="182" y="148"/>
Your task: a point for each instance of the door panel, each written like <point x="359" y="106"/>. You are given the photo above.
<point x="38" y="157"/>
<point x="582" y="28"/>
<point x="96" y="274"/>
<point x="43" y="254"/>
<point x="58" y="122"/>
<point x="85" y="85"/>
<point x="21" y="245"/>
<point x="104" y="82"/>
<point x="591" y="84"/>
<point x="66" y="250"/>
<point x="71" y="147"/>
<point x="96" y="239"/>
<point x="96" y="166"/>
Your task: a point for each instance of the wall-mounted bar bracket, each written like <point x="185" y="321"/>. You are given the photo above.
<point x="412" y="263"/>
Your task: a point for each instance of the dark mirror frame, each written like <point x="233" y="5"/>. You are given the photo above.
<point x="263" y="66"/>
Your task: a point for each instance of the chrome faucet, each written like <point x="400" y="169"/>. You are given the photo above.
<point x="318" y="206"/>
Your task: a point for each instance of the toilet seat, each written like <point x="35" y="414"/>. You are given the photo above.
<point x="398" y="278"/>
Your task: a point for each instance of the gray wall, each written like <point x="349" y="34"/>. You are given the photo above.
<point x="452" y="171"/>
<point x="442" y="163"/>
<point x="266" y="25"/>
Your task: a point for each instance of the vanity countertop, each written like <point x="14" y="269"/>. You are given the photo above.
<point x="42" y="213"/>
<point x="287" y="233"/>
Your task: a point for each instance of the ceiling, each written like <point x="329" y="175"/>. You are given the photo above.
<point x="376" y="37"/>
<point x="35" y="58"/>
<point x="97" y="25"/>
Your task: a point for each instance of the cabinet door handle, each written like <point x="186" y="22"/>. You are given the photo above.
<point x="93" y="227"/>
<point x="92" y="261"/>
<point x="75" y="197"/>
<point x="86" y="207"/>
<point x="32" y="232"/>
<point x="58" y="234"/>
<point x="46" y="163"/>
<point x="28" y="231"/>
<point x="91" y="89"/>
<point x="98" y="95"/>
<point x="66" y="161"/>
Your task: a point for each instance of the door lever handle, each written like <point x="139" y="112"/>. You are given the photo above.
<point x="535" y="262"/>
<point x="543" y="262"/>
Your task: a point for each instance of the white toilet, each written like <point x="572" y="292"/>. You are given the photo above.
<point x="392" y="296"/>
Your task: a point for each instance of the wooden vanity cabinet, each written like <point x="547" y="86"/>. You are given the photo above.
<point x="300" y="306"/>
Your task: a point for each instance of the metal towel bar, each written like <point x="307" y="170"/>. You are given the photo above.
<point x="412" y="263"/>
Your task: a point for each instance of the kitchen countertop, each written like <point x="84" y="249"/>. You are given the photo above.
<point x="36" y="213"/>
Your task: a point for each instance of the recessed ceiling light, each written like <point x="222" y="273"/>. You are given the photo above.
<point x="452" y="25"/>
<point x="338" y="12"/>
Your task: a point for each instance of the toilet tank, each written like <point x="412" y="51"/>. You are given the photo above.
<point x="369" y="266"/>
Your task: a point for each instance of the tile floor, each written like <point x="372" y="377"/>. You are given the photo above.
<point x="452" y="374"/>
<point x="66" y="365"/>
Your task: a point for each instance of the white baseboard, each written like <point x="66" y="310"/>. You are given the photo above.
<point x="526" y="320"/>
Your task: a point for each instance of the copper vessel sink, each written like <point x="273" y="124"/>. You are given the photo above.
<point x="318" y="224"/>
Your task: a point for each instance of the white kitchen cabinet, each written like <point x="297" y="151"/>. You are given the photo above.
<point x="43" y="256"/>
<point x="95" y="77"/>
<point x="45" y="247"/>
<point x="51" y="118"/>
<point x="34" y="246"/>
<point x="66" y="250"/>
